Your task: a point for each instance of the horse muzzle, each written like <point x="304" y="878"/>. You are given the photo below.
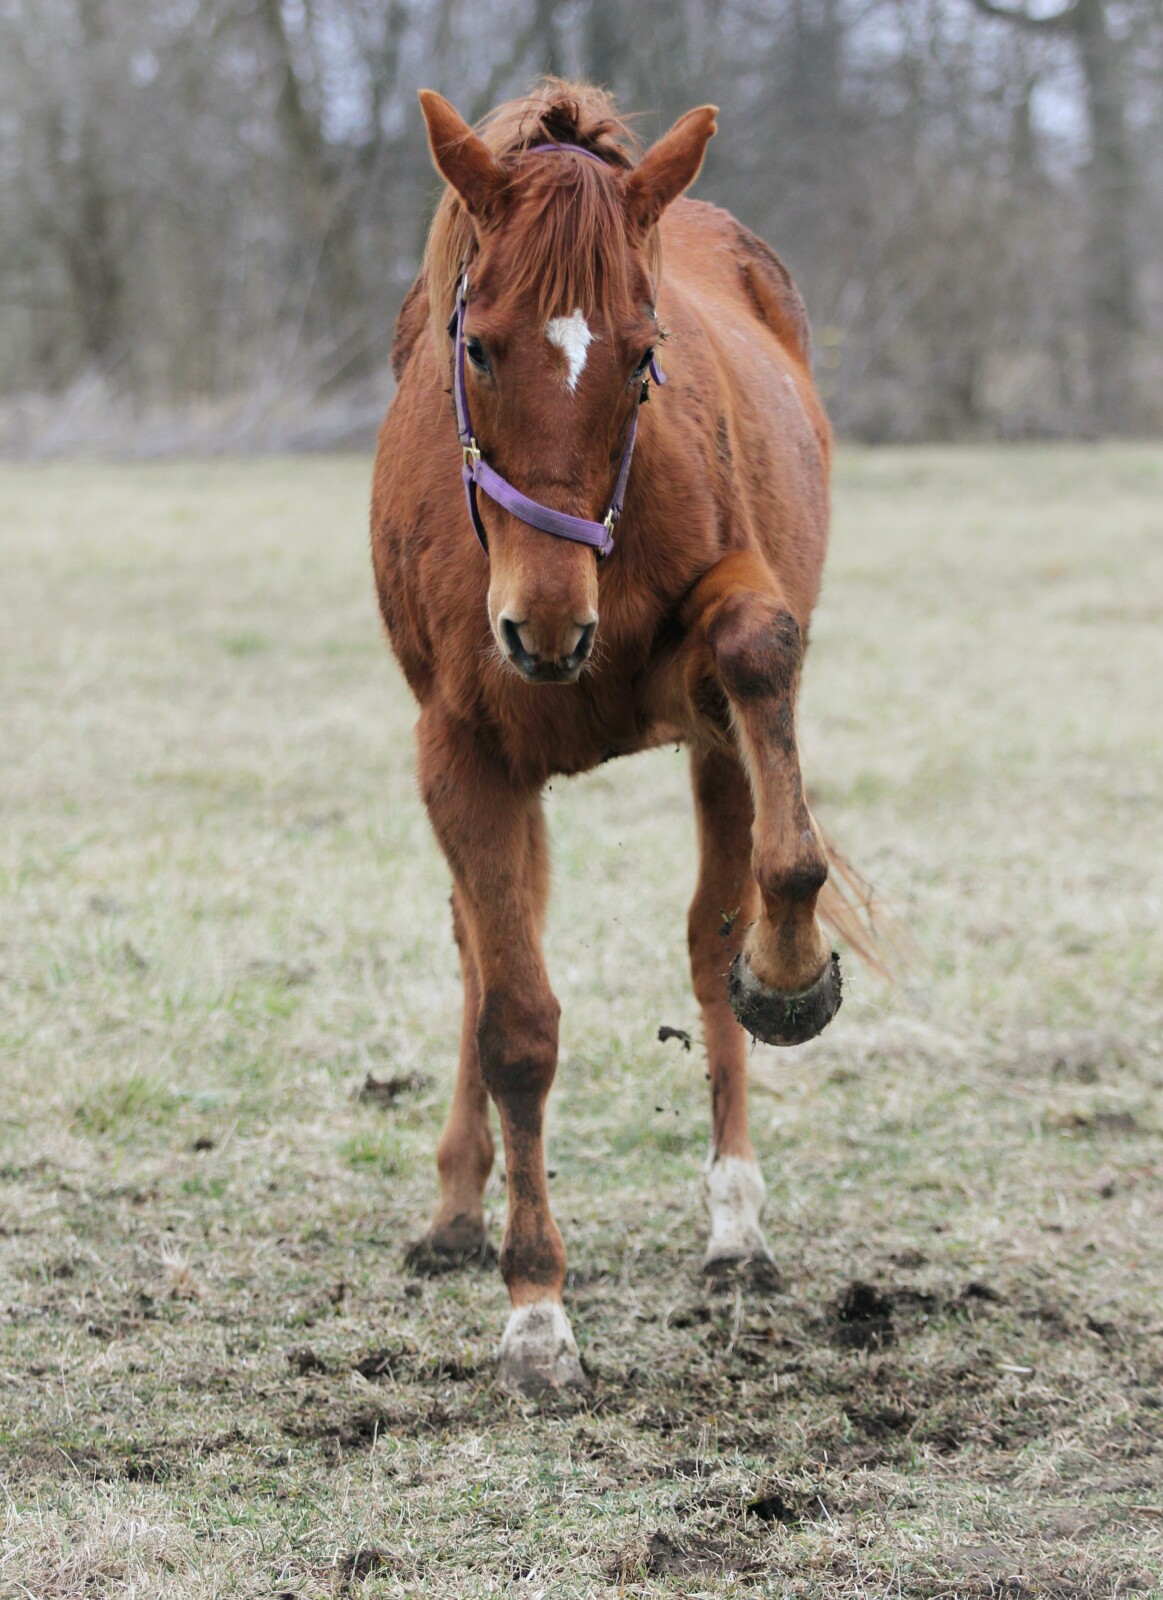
<point x="525" y="653"/>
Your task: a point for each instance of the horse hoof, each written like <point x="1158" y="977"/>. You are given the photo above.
<point x="757" y="1271"/>
<point x="459" y="1243"/>
<point x="777" y="1018"/>
<point x="538" y="1355"/>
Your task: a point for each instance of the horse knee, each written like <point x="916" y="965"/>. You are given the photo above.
<point x="517" y="1045"/>
<point x="757" y="647"/>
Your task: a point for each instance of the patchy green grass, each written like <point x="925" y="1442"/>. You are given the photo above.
<point x="220" y="910"/>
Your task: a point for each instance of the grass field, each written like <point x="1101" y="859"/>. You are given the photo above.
<point x="220" y="910"/>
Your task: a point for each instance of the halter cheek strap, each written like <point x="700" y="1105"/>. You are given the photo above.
<point x="478" y="474"/>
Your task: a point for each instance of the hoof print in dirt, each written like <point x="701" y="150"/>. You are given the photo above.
<point x="538" y="1357"/>
<point x="450" y="1250"/>
<point x="784" y="1019"/>
<point x="757" y="1272"/>
<point x="864" y="1317"/>
<point x="306" y="1361"/>
<point x="691" y="1559"/>
<point x="778" y="1505"/>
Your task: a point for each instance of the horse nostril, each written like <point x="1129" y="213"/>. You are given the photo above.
<point x="511" y="636"/>
<point x="584" y="645"/>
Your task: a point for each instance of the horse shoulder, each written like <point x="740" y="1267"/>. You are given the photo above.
<point x="402" y="511"/>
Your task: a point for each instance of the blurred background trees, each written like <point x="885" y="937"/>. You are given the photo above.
<point x="202" y="200"/>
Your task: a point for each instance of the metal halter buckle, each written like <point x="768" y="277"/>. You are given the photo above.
<point x="471" y="455"/>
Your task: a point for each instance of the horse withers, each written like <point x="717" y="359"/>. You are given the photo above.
<point x="567" y="574"/>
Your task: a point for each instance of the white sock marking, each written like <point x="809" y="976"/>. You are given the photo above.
<point x="538" y="1348"/>
<point x="542" y="1326"/>
<point x="733" y="1192"/>
<point x="573" y="338"/>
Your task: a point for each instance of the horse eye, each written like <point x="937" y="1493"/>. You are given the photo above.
<point x="475" y="351"/>
<point x="647" y="358"/>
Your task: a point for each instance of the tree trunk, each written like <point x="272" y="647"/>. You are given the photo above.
<point x="1110" y="290"/>
<point x="1111" y="307"/>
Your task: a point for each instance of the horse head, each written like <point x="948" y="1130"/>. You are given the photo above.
<point x="555" y="232"/>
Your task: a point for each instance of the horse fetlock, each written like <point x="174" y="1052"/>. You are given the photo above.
<point x="783" y="1017"/>
<point x="451" y="1243"/>
<point x="538" y="1353"/>
<point x="786" y="947"/>
<point x="533" y="1258"/>
<point x="792" y="883"/>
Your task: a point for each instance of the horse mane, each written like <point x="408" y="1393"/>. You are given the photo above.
<point x="568" y="218"/>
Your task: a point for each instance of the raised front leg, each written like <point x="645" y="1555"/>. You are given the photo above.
<point x="725" y="903"/>
<point x="464" y="1156"/>
<point x="785" y="981"/>
<point x="493" y="834"/>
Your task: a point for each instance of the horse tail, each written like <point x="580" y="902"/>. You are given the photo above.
<point x="850" y="907"/>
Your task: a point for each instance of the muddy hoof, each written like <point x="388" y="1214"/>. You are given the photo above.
<point x="459" y="1244"/>
<point x="784" y="1018"/>
<point x="757" y="1272"/>
<point x="538" y="1355"/>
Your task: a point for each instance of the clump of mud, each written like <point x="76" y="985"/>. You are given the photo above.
<point x="384" y="1092"/>
<point x="864" y="1317"/>
<point x="359" y="1564"/>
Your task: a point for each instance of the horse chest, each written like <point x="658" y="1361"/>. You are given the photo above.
<point x="580" y="726"/>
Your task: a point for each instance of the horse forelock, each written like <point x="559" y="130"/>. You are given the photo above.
<point x="565" y="227"/>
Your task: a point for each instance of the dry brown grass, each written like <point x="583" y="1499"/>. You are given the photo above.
<point x="220" y="910"/>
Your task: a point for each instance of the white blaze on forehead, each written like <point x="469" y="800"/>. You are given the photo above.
<point x="573" y="338"/>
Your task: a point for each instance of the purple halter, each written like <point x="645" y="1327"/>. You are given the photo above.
<point x="477" y="474"/>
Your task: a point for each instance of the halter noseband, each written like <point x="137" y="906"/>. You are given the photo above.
<point x="476" y="472"/>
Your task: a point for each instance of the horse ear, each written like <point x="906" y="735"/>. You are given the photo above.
<point x="461" y="157"/>
<point x="668" y="167"/>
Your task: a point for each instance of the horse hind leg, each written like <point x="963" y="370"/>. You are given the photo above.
<point x="464" y="1156"/>
<point x="725" y="902"/>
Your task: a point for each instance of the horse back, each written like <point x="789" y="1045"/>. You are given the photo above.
<point x="742" y="353"/>
<point x="743" y="263"/>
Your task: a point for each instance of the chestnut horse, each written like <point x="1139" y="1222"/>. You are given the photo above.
<point x="648" y="574"/>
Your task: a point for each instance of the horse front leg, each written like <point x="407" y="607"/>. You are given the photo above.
<point x="725" y="903"/>
<point x="492" y="832"/>
<point x="464" y="1156"/>
<point x="785" y="981"/>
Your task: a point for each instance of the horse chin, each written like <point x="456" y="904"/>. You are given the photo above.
<point x="547" y="672"/>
